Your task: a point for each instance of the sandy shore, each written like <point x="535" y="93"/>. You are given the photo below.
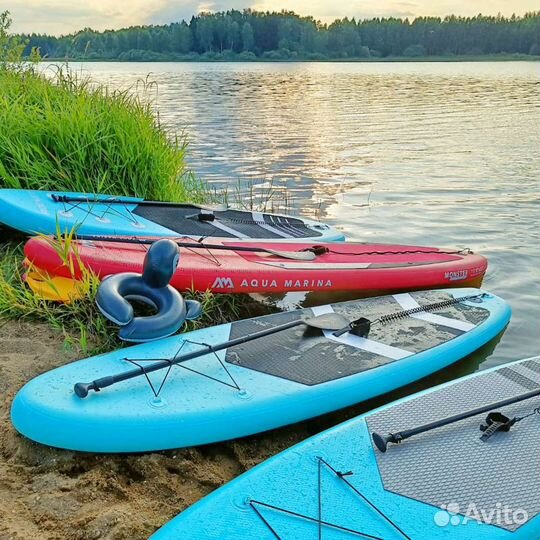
<point x="48" y="494"/>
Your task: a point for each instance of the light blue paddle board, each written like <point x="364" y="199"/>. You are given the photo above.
<point x="443" y="484"/>
<point x="263" y="384"/>
<point x="45" y="212"/>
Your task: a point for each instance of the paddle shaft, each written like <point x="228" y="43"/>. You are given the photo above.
<point x="196" y="245"/>
<point x="81" y="389"/>
<point x="405" y="434"/>
<point x="113" y="200"/>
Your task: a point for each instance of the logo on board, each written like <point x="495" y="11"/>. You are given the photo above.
<point x="457" y="275"/>
<point x="223" y="283"/>
<point x="228" y="283"/>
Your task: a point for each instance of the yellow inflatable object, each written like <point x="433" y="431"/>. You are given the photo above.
<point x="54" y="288"/>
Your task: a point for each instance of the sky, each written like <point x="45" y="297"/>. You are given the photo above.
<point x="66" y="16"/>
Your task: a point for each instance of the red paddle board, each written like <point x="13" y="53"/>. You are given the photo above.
<point x="342" y="267"/>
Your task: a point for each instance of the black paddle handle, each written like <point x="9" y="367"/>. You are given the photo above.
<point x="381" y="441"/>
<point x="82" y="389"/>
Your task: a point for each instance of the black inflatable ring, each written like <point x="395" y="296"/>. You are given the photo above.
<point x="152" y="288"/>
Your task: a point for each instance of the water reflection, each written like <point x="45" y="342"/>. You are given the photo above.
<point x="421" y="153"/>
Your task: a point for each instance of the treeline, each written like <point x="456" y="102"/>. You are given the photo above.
<point x="251" y="34"/>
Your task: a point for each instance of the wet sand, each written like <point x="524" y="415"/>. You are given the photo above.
<point x="49" y="494"/>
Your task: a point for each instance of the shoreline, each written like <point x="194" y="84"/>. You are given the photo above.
<point x="388" y="59"/>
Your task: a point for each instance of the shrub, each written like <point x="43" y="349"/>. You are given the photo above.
<point x="535" y="49"/>
<point x="316" y="56"/>
<point x="272" y="55"/>
<point x="363" y="52"/>
<point x="414" y="51"/>
<point x="228" y="54"/>
<point x="246" y="55"/>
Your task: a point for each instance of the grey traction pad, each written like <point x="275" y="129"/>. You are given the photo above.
<point x="183" y="220"/>
<point x="309" y="358"/>
<point x="450" y="464"/>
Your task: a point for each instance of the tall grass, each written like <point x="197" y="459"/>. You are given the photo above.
<point x="62" y="132"/>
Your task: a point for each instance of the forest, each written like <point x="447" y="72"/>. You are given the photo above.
<point x="254" y="35"/>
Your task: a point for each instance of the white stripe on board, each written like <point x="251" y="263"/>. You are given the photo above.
<point x="286" y="225"/>
<point x="317" y="266"/>
<point x="362" y="343"/>
<point x="406" y="301"/>
<point x="259" y="218"/>
<point x="230" y="230"/>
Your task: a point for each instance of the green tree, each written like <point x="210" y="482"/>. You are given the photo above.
<point x="182" y="40"/>
<point x="11" y="47"/>
<point x="248" y="39"/>
<point x="267" y="32"/>
<point x="204" y="32"/>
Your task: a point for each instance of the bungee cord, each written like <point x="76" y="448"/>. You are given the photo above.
<point x="321" y="523"/>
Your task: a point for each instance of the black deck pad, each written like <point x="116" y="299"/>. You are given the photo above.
<point x="308" y="357"/>
<point x="183" y="220"/>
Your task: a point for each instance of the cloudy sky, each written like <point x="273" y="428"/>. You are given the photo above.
<point x="64" y="16"/>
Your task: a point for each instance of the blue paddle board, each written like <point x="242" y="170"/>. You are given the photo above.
<point x="45" y="212"/>
<point x="443" y="484"/>
<point x="262" y="384"/>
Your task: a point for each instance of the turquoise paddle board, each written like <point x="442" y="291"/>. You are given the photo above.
<point x="446" y="483"/>
<point x="45" y="212"/>
<point x="258" y="385"/>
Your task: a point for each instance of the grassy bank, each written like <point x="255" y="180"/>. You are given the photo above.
<point x="66" y="133"/>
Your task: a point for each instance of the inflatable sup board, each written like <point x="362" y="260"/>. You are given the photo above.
<point x="45" y="211"/>
<point x="220" y="383"/>
<point x="445" y="483"/>
<point x="277" y="267"/>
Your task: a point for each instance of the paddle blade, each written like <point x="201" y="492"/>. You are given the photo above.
<point x="294" y="255"/>
<point x="328" y="321"/>
<point x="54" y="288"/>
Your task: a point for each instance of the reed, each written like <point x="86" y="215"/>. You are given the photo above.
<point x="63" y="133"/>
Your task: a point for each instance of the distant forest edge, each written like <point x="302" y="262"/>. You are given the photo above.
<point x="253" y="35"/>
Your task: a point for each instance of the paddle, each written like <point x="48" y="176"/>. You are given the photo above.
<point x="115" y="200"/>
<point x="294" y="255"/>
<point x="327" y="321"/>
<point x="381" y="441"/>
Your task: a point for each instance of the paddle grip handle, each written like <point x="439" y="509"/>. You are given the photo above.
<point x="342" y="331"/>
<point x="82" y="389"/>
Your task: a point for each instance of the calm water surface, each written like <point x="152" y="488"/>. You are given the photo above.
<point x="444" y="154"/>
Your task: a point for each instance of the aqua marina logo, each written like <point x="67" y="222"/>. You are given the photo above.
<point x="452" y="515"/>
<point x="223" y="283"/>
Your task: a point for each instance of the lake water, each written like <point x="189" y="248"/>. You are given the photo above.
<point x="444" y="154"/>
